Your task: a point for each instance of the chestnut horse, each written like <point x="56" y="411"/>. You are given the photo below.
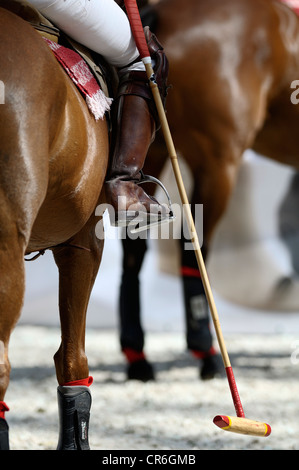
<point x="232" y="63"/>
<point x="54" y="156"/>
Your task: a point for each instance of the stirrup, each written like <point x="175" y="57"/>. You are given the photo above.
<point x="137" y="221"/>
<point x="150" y="221"/>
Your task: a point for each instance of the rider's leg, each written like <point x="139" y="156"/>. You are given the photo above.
<point x="100" y="25"/>
<point x="135" y="122"/>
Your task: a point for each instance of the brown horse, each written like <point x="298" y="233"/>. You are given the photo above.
<point x="53" y="159"/>
<point x="232" y="63"/>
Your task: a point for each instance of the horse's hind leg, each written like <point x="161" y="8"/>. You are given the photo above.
<point x="20" y="196"/>
<point x="11" y="299"/>
<point x="78" y="268"/>
<point x="197" y="318"/>
<point x="214" y="180"/>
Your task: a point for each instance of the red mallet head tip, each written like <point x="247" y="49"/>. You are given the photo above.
<point x="221" y="421"/>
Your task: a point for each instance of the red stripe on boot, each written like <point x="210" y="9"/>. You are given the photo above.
<point x="132" y="355"/>
<point x="86" y="382"/>
<point x="190" y="272"/>
<point x="3" y="408"/>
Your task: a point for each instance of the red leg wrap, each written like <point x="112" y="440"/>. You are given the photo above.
<point x="3" y="408"/>
<point x="186" y="271"/>
<point x="87" y="382"/>
<point x="132" y="355"/>
<point x="202" y="355"/>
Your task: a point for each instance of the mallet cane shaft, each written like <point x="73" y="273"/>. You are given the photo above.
<point x="233" y="424"/>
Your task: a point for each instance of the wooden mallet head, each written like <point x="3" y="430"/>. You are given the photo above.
<point x="242" y="426"/>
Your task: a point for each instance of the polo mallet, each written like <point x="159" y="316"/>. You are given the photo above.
<point x="238" y="424"/>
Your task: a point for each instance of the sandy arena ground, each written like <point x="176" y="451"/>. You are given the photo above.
<point x="175" y="412"/>
<point x="259" y="321"/>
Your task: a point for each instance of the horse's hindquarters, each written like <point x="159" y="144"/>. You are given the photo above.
<point x="53" y="160"/>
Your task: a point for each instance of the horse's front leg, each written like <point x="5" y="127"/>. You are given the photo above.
<point x="78" y="264"/>
<point x="131" y="330"/>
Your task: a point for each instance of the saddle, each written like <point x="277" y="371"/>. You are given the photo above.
<point x="98" y="66"/>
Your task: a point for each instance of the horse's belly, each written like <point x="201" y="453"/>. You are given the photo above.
<point x="58" y="224"/>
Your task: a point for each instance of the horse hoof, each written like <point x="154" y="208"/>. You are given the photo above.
<point x="4" y="441"/>
<point x="211" y="368"/>
<point x="140" y="370"/>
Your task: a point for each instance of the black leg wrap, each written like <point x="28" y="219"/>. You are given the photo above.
<point x="4" y="441"/>
<point x="74" y="410"/>
<point x="199" y="336"/>
<point x="131" y="331"/>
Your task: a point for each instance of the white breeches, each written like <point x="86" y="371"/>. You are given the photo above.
<point x="100" y="25"/>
